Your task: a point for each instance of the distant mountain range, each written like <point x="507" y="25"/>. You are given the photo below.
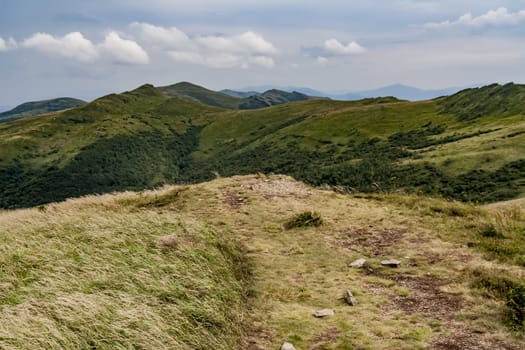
<point x="399" y="91"/>
<point x="40" y="107"/>
<point x="246" y="98"/>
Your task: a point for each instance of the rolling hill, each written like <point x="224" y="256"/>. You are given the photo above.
<point x="147" y="137"/>
<point x="39" y="107"/>
<point x="185" y="90"/>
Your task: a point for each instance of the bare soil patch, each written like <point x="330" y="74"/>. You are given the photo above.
<point x="463" y="339"/>
<point x="327" y="336"/>
<point x="234" y="200"/>
<point x="425" y="297"/>
<point x="282" y="187"/>
<point x="377" y="243"/>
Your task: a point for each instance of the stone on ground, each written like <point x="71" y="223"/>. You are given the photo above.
<point x="287" y="346"/>
<point x="391" y="263"/>
<point x="323" y="313"/>
<point x="350" y="299"/>
<point x="358" y="263"/>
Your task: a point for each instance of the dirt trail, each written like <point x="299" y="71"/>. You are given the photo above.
<point x="425" y="303"/>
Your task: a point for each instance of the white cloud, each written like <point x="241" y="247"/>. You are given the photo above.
<point x="334" y="47"/>
<point x="499" y="17"/>
<point x="221" y="60"/>
<point x="7" y="45"/>
<point x="72" y="45"/>
<point x="164" y="37"/>
<point x="263" y="61"/>
<point x="187" y="57"/>
<point x="247" y="43"/>
<point x="322" y="60"/>
<point x="122" y="50"/>
<point x="216" y="51"/>
<point x="76" y="47"/>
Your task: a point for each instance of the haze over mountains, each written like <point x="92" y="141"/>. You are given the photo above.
<point x="400" y="91"/>
<point x="252" y="98"/>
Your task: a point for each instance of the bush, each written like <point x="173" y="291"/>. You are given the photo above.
<point x="490" y="231"/>
<point x="304" y="219"/>
<point x="516" y="305"/>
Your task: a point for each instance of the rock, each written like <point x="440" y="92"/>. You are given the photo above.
<point x="358" y="263"/>
<point x="391" y="263"/>
<point x="350" y="299"/>
<point x="287" y="346"/>
<point x="323" y="313"/>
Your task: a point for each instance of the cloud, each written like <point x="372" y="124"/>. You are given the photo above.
<point x="334" y="47"/>
<point x="215" y="51"/>
<point x="221" y="60"/>
<point x="122" y="50"/>
<point x="7" y="45"/>
<point x="499" y="17"/>
<point x="246" y="43"/>
<point x="164" y="37"/>
<point x="72" y="45"/>
<point x="322" y="60"/>
<point x="76" y="47"/>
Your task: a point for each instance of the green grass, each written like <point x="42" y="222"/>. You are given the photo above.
<point x="74" y="277"/>
<point x="144" y="138"/>
<point x="210" y="266"/>
<point x="40" y="107"/>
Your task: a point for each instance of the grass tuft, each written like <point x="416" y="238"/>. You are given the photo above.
<point x="304" y="219"/>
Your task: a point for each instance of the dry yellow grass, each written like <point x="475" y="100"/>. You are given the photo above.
<point x="159" y="270"/>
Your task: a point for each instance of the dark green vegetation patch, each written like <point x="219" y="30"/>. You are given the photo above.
<point x="304" y="219"/>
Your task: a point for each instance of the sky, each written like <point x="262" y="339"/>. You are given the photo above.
<point x="85" y="49"/>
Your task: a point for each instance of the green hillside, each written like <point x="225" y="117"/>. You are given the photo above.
<point x="145" y="138"/>
<point x="229" y="99"/>
<point x="272" y="98"/>
<point x="235" y="264"/>
<point x="200" y="94"/>
<point x="39" y="107"/>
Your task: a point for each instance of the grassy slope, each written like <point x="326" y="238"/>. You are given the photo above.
<point x="40" y="107"/>
<point x="201" y="94"/>
<point x="143" y="138"/>
<point x="73" y="278"/>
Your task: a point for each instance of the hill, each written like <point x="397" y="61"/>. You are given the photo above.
<point x="201" y="94"/>
<point x="211" y="266"/>
<point x="400" y="91"/>
<point x="144" y="138"/>
<point x="239" y="94"/>
<point x="231" y="99"/>
<point x="272" y="98"/>
<point x="40" y="107"/>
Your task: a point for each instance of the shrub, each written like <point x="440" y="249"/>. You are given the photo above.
<point x="516" y="305"/>
<point x="490" y="231"/>
<point x="304" y="219"/>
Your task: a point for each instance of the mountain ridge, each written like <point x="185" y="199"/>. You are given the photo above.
<point x="32" y="108"/>
<point x="401" y="91"/>
<point x="144" y="138"/>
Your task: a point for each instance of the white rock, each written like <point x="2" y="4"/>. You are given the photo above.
<point x="324" y="313"/>
<point x="358" y="263"/>
<point x="391" y="263"/>
<point x="350" y="299"/>
<point x="287" y="346"/>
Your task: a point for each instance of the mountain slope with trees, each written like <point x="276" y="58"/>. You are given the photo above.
<point x="145" y="138"/>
